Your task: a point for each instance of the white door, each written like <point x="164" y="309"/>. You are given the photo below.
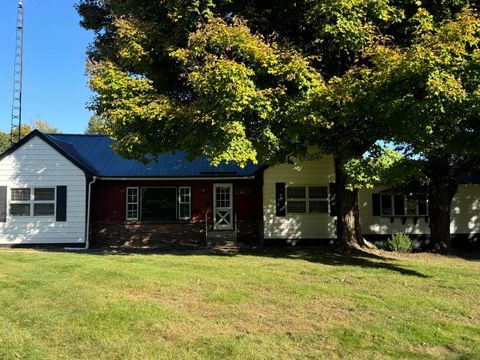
<point x="223" y="206"/>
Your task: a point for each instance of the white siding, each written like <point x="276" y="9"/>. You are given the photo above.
<point x="304" y="226"/>
<point x="37" y="164"/>
<point x="465" y="215"/>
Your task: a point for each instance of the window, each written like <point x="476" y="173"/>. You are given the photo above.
<point x="20" y="202"/>
<point x="158" y="203"/>
<point x="296" y="199"/>
<point x="386" y="205"/>
<point x="318" y="199"/>
<point x="36" y="201"/>
<point x="132" y="203"/>
<point x="307" y="199"/>
<point x="403" y="205"/>
<point x="184" y="203"/>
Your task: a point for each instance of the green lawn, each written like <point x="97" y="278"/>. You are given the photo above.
<point x="272" y="305"/>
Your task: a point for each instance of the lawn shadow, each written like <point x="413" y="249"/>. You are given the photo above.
<point x="325" y="255"/>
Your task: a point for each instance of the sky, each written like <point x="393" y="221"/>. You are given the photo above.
<point x="54" y="82"/>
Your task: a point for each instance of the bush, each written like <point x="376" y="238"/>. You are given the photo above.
<point x="400" y="243"/>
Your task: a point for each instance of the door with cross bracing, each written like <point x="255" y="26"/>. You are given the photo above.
<point x="223" y="206"/>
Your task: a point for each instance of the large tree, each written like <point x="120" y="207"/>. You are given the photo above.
<point x="433" y="88"/>
<point x="240" y="80"/>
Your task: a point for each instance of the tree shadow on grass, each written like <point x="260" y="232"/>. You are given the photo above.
<point x="321" y="255"/>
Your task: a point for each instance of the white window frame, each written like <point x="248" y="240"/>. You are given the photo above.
<point x="307" y="199"/>
<point x="137" y="203"/>
<point x="180" y="202"/>
<point x="405" y="198"/>
<point x="32" y="202"/>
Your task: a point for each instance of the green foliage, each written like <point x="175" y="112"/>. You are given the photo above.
<point x="95" y="126"/>
<point x="382" y="166"/>
<point x="25" y="130"/>
<point x="400" y="243"/>
<point x="4" y="142"/>
<point x="45" y="127"/>
<point x="260" y="81"/>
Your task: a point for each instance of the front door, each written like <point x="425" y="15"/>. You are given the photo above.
<point x="223" y="206"/>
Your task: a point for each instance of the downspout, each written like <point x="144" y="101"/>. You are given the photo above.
<point x="87" y="227"/>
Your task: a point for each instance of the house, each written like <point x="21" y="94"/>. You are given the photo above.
<point x="72" y="190"/>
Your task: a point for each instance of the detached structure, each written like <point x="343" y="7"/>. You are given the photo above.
<point x="73" y="190"/>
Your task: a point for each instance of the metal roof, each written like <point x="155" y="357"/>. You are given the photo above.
<point x="97" y="154"/>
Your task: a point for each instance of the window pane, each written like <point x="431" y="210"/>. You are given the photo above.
<point x="184" y="194"/>
<point x="184" y="211"/>
<point x="411" y="206"/>
<point x="20" y="209"/>
<point x="296" y="192"/>
<point x="20" y="194"/>
<point x="318" y="192"/>
<point x="43" y="209"/>
<point x="44" y="194"/>
<point x="159" y="203"/>
<point x="319" y="206"/>
<point x="399" y="204"/>
<point x="386" y="205"/>
<point x="296" y="207"/>
<point x="422" y="207"/>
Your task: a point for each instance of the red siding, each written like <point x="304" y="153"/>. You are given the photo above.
<point x="108" y="198"/>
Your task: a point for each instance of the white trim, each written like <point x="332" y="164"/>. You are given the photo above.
<point x="132" y="203"/>
<point x="229" y="209"/>
<point x="189" y="203"/>
<point x="405" y="199"/>
<point x="31" y="202"/>
<point x="307" y="199"/>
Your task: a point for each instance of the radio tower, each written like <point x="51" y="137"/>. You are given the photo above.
<point x="17" y="80"/>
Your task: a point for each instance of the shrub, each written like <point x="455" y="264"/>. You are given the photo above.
<point x="400" y="243"/>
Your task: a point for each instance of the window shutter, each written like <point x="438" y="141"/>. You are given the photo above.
<point x="376" y="204"/>
<point x="280" y="199"/>
<point x="61" y="203"/>
<point x="399" y="204"/>
<point x="333" y="199"/>
<point x="3" y="203"/>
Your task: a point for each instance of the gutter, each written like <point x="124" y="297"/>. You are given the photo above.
<point x="87" y="226"/>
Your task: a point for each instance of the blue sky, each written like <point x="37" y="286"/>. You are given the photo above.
<point x="55" y="86"/>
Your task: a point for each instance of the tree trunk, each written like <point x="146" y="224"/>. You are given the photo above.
<point x="442" y="190"/>
<point x="348" y="215"/>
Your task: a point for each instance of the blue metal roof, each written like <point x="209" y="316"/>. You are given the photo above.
<point x="95" y="152"/>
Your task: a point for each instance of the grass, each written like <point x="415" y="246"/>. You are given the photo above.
<point x="268" y="305"/>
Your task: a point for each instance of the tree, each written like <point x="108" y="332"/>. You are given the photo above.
<point x="247" y="80"/>
<point x="4" y="142"/>
<point x="202" y="79"/>
<point x="45" y="127"/>
<point x="433" y="91"/>
<point x="95" y="126"/>
<point x="25" y="130"/>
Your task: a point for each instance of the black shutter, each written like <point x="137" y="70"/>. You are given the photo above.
<point x="376" y="204"/>
<point x="399" y="204"/>
<point x="280" y="199"/>
<point x="61" y="203"/>
<point x="3" y="203"/>
<point x="333" y="199"/>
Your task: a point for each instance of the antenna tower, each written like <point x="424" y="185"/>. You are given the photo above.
<point x="16" y="123"/>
